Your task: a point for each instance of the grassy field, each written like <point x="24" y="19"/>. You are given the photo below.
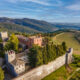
<point x="70" y="40"/>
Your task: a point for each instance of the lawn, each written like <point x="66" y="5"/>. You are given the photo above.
<point x="70" y="40"/>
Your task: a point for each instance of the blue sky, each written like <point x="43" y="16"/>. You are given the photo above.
<point x="48" y="10"/>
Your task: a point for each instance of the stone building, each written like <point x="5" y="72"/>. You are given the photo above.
<point x="15" y="65"/>
<point x="4" y="36"/>
<point x="28" y="42"/>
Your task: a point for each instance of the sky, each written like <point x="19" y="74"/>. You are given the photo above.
<point x="48" y="10"/>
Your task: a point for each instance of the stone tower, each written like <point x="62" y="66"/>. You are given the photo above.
<point x="68" y="57"/>
<point x="4" y="35"/>
<point x="10" y="56"/>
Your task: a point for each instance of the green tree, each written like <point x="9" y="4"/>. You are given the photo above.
<point x="35" y="56"/>
<point x="12" y="43"/>
<point x="45" y="58"/>
<point x="1" y="74"/>
<point x="64" y="46"/>
<point x="39" y="58"/>
<point x="59" y="50"/>
<point x="53" y="51"/>
<point x="0" y="40"/>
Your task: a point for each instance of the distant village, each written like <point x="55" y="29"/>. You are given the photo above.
<point x="17" y="62"/>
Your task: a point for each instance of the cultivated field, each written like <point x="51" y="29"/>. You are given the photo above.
<point x="70" y="40"/>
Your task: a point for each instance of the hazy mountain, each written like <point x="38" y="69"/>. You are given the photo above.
<point x="67" y="25"/>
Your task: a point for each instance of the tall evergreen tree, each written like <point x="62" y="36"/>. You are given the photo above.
<point x="53" y="51"/>
<point x="64" y="46"/>
<point x="39" y="58"/>
<point x="45" y="58"/>
<point x="35" y="56"/>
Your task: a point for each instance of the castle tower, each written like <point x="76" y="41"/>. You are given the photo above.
<point x="10" y="56"/>
<point x="68" y="57"/>
<point x="4" y="35"/>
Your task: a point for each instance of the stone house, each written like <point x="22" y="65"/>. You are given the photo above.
<point x="14" y="64"/>
<point x="4" y="36"/>
<point x="27" y="42"/>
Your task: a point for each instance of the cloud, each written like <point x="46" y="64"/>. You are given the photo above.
<point x="74" y="6"/>
<point x="33" y="1"/>
<point x="41" y="2"/>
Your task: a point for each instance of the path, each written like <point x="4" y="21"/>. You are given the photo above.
<point x="73" y="73"/>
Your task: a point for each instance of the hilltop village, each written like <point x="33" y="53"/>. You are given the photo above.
<point x="21" y="54"/>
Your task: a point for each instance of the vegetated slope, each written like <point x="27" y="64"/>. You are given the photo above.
<point x="16" y="27"/>
<point x="37" y="25"/>
<point x="70" y="40"/>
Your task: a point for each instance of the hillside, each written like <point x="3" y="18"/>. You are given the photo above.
<point x="70" y="40"/>
<point x="16" y="27"/>
<point x="26" y="25"/>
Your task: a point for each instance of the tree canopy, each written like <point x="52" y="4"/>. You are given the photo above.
<point x="43" y="55"/>
<point x="35" y="56"/>
<point x="1" y="74"/>
<point x="12" y="43"/>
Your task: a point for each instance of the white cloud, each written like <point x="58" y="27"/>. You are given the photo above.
<point x="38" y="1"/>
<point x="75" y="7"/>
<point x="42" y="2"/>
<point x="34" y="1"/>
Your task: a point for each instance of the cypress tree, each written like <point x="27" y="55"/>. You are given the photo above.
<point x="64" y="46"/>
<point x="45" y="58"/>
<point x="35" y="56"/>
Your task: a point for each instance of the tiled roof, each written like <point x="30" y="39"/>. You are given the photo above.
<point x="17" y="62"/>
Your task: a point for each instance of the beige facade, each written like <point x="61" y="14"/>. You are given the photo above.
<point x="19" y="68"/>
<point x="4" y="35"/>
<point x="11" y="55"/>
<point x="29" y="41"/>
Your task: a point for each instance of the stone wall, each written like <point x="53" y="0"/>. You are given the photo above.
<point x="44" y="70"/>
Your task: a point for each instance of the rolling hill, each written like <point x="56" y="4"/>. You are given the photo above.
<point x="70" y="40"/>
<point x="17" y="28"/>
<point x="27" y="25"/>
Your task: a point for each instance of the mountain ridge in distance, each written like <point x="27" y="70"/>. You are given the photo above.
<point x="27" y="25"/>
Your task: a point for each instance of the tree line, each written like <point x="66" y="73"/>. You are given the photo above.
<point x="43" y="55"/>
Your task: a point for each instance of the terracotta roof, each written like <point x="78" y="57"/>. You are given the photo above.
<point x="22" y="37"/>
